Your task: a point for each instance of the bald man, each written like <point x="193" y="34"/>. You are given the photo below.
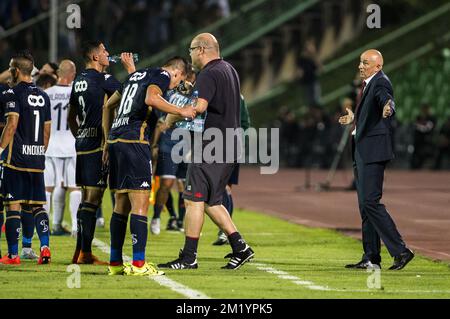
<point x="219" y="94"/>
<point x="60" y="158"/>
<point x="372" y="149"/>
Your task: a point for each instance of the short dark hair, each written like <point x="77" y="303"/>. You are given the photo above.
<point x="54" y="66"/>
<point x="179" y="63"/>
<point x="23" y="60"/>
<point x="45" y="80"/>
<point x="87" y="48"/>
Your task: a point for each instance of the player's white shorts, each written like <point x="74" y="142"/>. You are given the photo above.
<point x="60" y="169"/>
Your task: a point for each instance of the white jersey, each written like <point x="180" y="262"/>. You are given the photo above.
<point x="62" y="142"/>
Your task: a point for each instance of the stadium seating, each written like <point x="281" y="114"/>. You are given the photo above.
<point x="424" y="80"/>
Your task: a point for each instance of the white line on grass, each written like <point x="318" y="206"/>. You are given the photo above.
<point x="286" y="276"/>
<point x="310" y="285"/>
<point x="162" y="280"/>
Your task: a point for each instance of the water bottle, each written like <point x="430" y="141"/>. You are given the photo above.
<point x="116" y="58"/>
<point x="193" y="101"/>
<point x="194" y="98"/>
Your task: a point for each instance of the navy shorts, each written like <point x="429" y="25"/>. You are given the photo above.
<point x="206" y="182"/>
<point x="19" y="187"/>
<point x="167" y="168"/>
<point x="89" y="173"/>
<point x="130" y="167"/>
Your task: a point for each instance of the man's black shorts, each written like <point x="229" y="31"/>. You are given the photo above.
<point x="130" y="167"/>
<point x="23" y="187"/>
<point x="206" y="182"/>
<point x="89" y="170"/>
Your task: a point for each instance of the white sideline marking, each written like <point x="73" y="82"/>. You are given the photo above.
<point x="162" y="280"/>
<point x="310" y="285"/>
<point x="285" y="275"/>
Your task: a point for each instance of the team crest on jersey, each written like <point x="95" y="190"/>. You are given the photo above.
<point x="137" y="76"/>
<point x="11" y="105"/>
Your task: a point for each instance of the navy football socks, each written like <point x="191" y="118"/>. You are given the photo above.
<point x="118" y="228"/>
<point x="12" y="228"/>
<point x="87" y="219"/>
<point x="139" y="232"/>
<point x="41" y="222"/>
<point x="27" y="220"/>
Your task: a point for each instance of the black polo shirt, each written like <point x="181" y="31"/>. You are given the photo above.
<point x="218" y="83"/>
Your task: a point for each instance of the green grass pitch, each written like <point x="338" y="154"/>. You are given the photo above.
<point x="291" y="262"/>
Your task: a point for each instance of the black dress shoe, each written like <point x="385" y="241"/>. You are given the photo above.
<point x="363" y="264"/>
<point x="402" y="260"/>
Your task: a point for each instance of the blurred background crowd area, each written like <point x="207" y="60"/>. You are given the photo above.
<point x="297" y="61"/>
<point x="146" y="26"/>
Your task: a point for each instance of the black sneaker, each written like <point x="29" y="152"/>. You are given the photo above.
<point x="180" y="263"/>
<point x="172" y="224"/>
<point x="240" y="258"/>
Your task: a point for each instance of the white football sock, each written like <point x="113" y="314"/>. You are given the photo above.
<point x="58" y="201"/>
<point x="74" y="203"/>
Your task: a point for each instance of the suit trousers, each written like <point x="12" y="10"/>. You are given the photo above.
<point x="376" y="221"/>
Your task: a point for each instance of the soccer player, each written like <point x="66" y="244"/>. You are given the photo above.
<point x="60" y="157"/>
<point x="129" y="155"/>
<point x="90" y="90"/>
<point x="167" y="170"/>
<point x="25" y="139"/>
<point x="3" y="88"/>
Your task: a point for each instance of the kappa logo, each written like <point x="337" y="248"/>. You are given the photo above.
<point x="9" y="196"/>
<point x="101" y="182"/>
<point x="165" y="73"/>
<point x="107" y="76"/>
<point x="145" y="184"/>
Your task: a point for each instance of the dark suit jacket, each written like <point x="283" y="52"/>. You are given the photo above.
<point x="374" y="136"/>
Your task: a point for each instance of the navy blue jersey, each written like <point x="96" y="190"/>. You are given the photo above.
<point x="131" y="121"/>
<point x="26" y="151"/>
<point x="2" y="110"/>
<point x="89" y="92"/>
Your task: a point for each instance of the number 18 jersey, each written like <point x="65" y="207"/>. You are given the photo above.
<point x="62" y="142"/>
<point x="131" y="123"/>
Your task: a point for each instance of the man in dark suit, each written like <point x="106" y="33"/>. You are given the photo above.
<point x="372" y="149"/>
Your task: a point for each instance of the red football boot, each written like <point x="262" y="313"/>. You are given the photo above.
<point x="45" y="256"/>
<point x="10" y="261"/>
